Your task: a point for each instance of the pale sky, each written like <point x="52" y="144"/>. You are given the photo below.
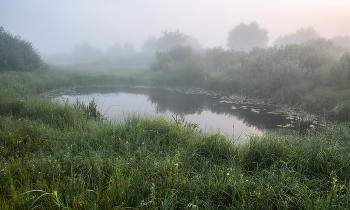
<point x="55" y="26"/>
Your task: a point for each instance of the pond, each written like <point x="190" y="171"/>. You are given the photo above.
<point x="236" y="116"/>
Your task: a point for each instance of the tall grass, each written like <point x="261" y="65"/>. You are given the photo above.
<point x="62" y="156"/>
<point x="147" y="163"/>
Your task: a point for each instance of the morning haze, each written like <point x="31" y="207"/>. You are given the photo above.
<point x="155" y="104"/>
<point x="57" y="27"/>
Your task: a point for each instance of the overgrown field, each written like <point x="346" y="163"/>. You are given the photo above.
<point x="62" y="156"/>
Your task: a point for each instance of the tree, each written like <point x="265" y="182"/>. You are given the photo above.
<point x="85" y="53"/>
<point x="17" y="54"/>
<point x="171" y="39"/>
<point x="194" y="43"/>
<point x="128" y="48"/>
<point x="344" y="66"/>
<point x="300" y="36"/>
<point x="343" y="41"/>
<point x="150" y="44"/>
<point x="114" y="50"/>
<point x="245" y="37"/>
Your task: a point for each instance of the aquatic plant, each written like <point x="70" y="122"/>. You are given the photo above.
<point x="90" y="110"/>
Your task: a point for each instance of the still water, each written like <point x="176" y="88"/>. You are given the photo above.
<point x="233" y="115"/>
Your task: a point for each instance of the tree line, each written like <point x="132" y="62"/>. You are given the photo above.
<point x="18" y="54"/>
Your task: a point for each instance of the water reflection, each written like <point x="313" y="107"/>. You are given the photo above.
<point x="209" y="112"/>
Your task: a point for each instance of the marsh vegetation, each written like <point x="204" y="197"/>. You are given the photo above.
<point x="64" y="156"/>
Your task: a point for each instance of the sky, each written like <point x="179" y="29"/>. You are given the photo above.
<point x="56" y="26"/>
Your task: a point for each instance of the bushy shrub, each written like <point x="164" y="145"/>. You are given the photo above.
<point x="339" y="71"/>
<point x="344" y="65"/>
<point x="218" y="58"/>
<point x="189" y="73"/>
<point x="17" y="54"/>
<point x="181" y="53"/>
<point x="180" y="65"/>
<point x="161" y="62"/>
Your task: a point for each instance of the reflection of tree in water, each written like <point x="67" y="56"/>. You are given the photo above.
<point x="194" y="104"/>
<point x="187" y="104"/>
<point x="105" y="90"/>
<point x="177" y="102"/>
<point x="163" y="100"/>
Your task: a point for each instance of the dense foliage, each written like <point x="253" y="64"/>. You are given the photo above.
<point x="295" y="74"/>
<point x="300" y="36"/>
<point x="171" y="39"/>
<point x="179" y="66"/>
<point x="17" y="54"/>
<point x="246" y="36"/>
<point x="342" y="40"/>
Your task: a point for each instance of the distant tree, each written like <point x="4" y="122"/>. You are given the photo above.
<point x="194" y="43"/>
<point x="219" y="57"/>
<point x="344" y="66"/>
<point x="85" y="53"/>
<point x="343" y="41"/>
<point x="215" y="57"/>
<point x="339" y="73"/>
<point x="17" y="54"/>
<point x="118" y="50"/>
<point x="300" y="36"/>
<point x="114" y="50"/>
<point x="180" y="53"/>
<point x="171" y="39"/>
<point x="244" y="37"/>
<point x="150" y="44"/>
<point x="128" y="48"/>
<point x="325" y="44"/>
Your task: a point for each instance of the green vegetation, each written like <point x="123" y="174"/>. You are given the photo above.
<point x="313" y="75"/>
<point x="17" y="54"/>
<point x="246" y="36"/>
<point x="63" y="156"/>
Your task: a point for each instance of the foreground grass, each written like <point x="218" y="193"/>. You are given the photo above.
<point x="146" y="163"/>
<point x="62" y="156"/>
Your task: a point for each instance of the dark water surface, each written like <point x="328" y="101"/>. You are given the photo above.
<point x="212" y="112"/>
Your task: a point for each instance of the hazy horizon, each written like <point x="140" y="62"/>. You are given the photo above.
<point x="55" y="27"/>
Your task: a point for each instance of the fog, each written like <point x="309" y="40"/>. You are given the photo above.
<point x="60" y="29"/>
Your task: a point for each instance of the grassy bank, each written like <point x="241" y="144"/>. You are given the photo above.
<point x="61" y="156"/>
